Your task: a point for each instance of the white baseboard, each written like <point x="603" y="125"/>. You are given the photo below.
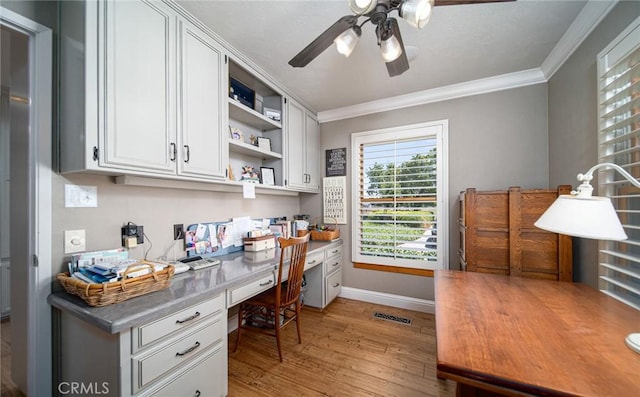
<point x="381" y="298"/>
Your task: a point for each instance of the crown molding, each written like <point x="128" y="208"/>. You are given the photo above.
<point x="588" y="19"/>
<point x="475" y="87"/>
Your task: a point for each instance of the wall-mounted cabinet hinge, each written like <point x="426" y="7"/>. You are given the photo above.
<point x="285" y="100"/>
<point x="95" y="153"/>
<point x="225" y="59"/>
<point x="36" y="262"/>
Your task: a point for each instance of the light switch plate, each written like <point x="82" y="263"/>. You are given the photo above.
<point x="74" y="241"/>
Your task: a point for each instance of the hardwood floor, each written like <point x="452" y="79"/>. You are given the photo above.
<point x="344" y="352"/>
<point x="8" y="388"/>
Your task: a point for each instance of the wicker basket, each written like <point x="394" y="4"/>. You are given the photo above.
<point x="331" y="233"/>
<point x="107" y="293"/>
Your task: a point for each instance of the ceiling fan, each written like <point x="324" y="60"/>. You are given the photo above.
<point x="346" y="31"/>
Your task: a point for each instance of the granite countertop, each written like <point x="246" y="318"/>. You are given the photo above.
<point x="186" y="289"/>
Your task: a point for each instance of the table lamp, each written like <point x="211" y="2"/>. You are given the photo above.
<point x="582" y="215"/>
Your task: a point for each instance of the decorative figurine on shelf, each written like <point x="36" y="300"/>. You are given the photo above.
<point x="253" y="140"/>
<point x="249" y="175"/>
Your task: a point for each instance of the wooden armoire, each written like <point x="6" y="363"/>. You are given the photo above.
<point x="497" y="234"/>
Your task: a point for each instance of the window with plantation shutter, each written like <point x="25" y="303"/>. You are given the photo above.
<point x="619" y="143"/>
<point x="399" y="196"/>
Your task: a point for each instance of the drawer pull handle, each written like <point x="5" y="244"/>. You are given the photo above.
<point x="198" y="393"/>
<point x="189" y="350"/>
<point x="335" y="264"/>
<point x="196" y="315"/>
<point x="312" y="262"/>
<point x="267" y="283"/>
<point x="334" y="251"/>
<point x="336" y="285"/>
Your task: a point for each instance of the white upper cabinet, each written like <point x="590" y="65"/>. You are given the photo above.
<point x="202" y="115"/>
<point x="141" y="92"/>
<point x="137" y="66"/>
<point x="303" y="143"/>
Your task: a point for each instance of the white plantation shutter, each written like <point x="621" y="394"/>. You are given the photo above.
<point x="619" y="143"/>
<point x="399" y="196"/>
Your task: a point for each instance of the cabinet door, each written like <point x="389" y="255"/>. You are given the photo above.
<point x="312" y="144"/>
<point x="201" y="96"/>
<point x="137" y="71"/>
<point x="296" y="145"/>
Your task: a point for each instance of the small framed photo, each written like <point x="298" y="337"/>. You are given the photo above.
<point x="264" y="143"/>
<point x="267" y="176"/>
<point x="235" y="133"/>
<point x="273" y="114"/>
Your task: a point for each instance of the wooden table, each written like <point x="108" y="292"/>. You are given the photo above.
<point x="515" y="335"/>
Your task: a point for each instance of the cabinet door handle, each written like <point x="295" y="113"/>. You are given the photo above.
<point x="336" y="285"/>
<point x="267" y="283"/>
<point x="198" y="393"/>
<point x="189" y="350"/>
<point x="186" y="160"/>
<point x="173" y="151"/>
<point x="193" y="317"/>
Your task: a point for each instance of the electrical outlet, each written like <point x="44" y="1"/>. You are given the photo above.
<point x="178" y="231"/>
<point x="129" y="231"/>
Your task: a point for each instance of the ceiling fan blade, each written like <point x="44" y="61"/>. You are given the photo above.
<point x="458" y="2"/>
<point x="401" y="64"/>
<point x="322" y="42"/>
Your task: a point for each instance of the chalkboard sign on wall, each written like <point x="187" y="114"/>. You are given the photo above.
<point x="336" y="162"/>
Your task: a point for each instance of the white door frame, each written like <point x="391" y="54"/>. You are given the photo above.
<point x="39" y="367"/>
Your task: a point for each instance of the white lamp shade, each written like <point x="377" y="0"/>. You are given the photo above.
<point x="346" y="42"/>
<point x="587" y="217"/>
<point x="416" y="12"/>
<point x="390" y="49"/>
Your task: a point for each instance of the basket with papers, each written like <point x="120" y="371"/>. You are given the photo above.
<point x="139" y="278"/>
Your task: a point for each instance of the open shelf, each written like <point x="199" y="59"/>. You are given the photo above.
<point x="246" y="115"/>
<point x="237" y="146"/>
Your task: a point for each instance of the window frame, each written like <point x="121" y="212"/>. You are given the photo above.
<point x="434" y="129"/>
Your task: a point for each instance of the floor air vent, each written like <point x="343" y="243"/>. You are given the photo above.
<point x="390" y="317"/>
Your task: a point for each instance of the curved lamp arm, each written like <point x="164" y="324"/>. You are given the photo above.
<point x="585" y="189"/>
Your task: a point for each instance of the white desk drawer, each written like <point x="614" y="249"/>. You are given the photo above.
<point x="332" y="264"/>
<point x="334" y="285"/>
<point x="200" y="380"/>
<point x="148" y="368"/>
<point x="334" y="252"/>
<point x="151" y="332"/>
<point x="313" y="259"/>
<point x="243" y="292"/>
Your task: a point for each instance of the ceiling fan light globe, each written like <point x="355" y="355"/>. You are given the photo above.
<point x="346" y="42"/>
<point x="361" y="7"/>
<point x="416" y="12"/>
<point x="390" y="49"/>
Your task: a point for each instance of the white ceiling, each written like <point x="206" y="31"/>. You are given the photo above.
<point x="460" y="43"/>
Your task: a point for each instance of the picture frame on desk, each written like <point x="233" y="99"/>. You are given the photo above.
<point x="267" y="176"/>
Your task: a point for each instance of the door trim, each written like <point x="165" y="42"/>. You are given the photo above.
<point x="40" y="211"/>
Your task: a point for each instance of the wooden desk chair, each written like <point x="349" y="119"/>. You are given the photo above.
<point x="273" y="309"/>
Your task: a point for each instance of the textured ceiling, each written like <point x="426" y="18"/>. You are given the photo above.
<point x="460" y="43"/>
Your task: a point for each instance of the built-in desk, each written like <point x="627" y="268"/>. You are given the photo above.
<point x="173" y="342"/>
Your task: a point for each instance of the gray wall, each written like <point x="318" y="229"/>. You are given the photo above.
<point x="496" y="140"/>
<point x="157" y="209"/>
<point x="573" y="121"/>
